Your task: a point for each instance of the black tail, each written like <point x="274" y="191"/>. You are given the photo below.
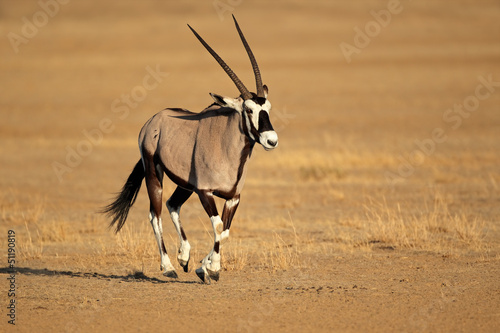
<point x="118" y="210"/>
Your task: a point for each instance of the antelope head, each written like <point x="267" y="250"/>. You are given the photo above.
<point x="254" y="108"/>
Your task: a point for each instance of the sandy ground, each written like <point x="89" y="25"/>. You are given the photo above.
<point x="377" y="212"/>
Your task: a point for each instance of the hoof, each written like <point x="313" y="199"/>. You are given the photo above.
<point x="171" y="274"/>
<point x="184" y="264"/>
<point x="213" y="275"/>
<point x="203" y="276"/>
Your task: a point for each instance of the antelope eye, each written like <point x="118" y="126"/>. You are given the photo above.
<point x="249" y="111"/>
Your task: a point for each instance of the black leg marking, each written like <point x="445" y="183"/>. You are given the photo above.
<point x="163" y="246"/>
<point x="207" y="278"/>
<point x="179" y="197"/>
<point x="213" y="275"/>
<point x="183" y="234"/>
<point x="203" y="277"/>
<point x="208" y="202"/>
<point x="229" y="211"/>
<point x="185" y="267"/>
<point x="171" y="274"/>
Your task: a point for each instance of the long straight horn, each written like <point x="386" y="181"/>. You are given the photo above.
<point x="258" y="78"/>
<point x="241" y="87"/>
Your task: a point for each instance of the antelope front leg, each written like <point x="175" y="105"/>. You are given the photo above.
<point x="174" y="204"/>
<point x="210" y="265"/>
<point x="227" y="215"/>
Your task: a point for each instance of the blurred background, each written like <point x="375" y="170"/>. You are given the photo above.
<point x="366" y="99"/>
<point x="388" y="118"/>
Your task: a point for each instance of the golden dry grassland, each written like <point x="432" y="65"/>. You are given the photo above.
<point x="375" y="160"/>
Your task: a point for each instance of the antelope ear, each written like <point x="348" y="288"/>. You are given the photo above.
<point x="228" y="102"/>
<point x="266" y="91"/>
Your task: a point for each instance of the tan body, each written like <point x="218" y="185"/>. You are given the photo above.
<point x="203" y="151"/>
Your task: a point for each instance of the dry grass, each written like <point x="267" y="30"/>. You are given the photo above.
<point x="284" y="251"/>
<point x="470" y="231"/>
<point x="350" y="124"/>
<point x="234" y="256"/>
<point x="29" y="248"/>
<point x="281" y="255"/>
<point x="39" y="231"/>
<point x="31" y="242"/>
<point x="433" y="229"/>
<point x="420" y="226"/>
<point x="135" y="247"/>
<point x="395" y="226"/>
<point x="136" y="241"/>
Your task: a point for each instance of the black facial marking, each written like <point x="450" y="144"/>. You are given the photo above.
<point x="264" y="122"/>
<point x="258" y="100"/>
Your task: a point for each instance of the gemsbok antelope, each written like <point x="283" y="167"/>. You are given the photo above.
<point x="206" y="153"/>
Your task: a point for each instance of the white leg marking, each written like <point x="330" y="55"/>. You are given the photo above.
<point x="212" y="260"/>
<point x="224" y="235"/>
<point x="232" y="202"/>
<point x="166" y="265"/>
<point x="184" y="247"/>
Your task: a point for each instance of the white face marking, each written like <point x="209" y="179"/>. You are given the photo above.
<point x="268" y="139"/>
<point x="249" y="127"/>
<point x="234" y="103"/>
<point x="256" y="108"/>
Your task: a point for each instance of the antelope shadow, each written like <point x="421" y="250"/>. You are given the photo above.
<point x="134" y="277"/>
